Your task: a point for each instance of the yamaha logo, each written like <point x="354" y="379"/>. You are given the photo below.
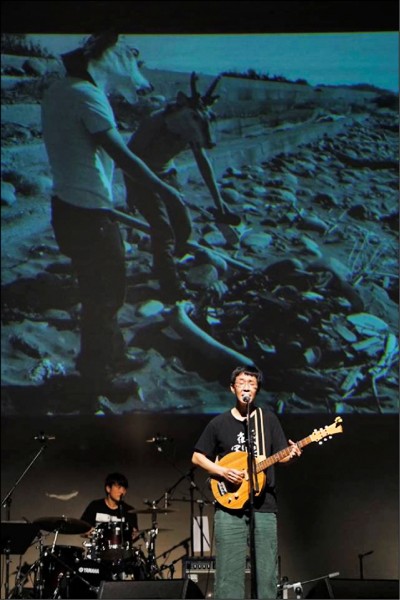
<point x="89" y="570"/>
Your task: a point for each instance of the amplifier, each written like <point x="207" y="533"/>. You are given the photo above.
<point x="199" y="564"/>
<point x="203" y="564"/>
<point x="201" y="570"/>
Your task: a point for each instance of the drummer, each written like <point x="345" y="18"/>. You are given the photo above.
<point x="112" y="507"/>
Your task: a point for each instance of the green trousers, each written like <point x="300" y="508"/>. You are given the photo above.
<point x="231" y="539"/>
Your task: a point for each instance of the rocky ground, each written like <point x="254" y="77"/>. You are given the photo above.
<point x="306" y="286"/>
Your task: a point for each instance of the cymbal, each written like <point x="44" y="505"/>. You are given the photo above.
<point x="152" y="511"/>
<point x="206" y="502"/>
<point x="65" y="525"/>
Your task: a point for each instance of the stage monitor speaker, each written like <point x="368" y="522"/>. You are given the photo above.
<point x="355" y="588"/>
<point x="162" y="588"/>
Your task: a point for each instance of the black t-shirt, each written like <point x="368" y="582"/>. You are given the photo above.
<point x="225" y="434"/>
<point x="98" y="511"/>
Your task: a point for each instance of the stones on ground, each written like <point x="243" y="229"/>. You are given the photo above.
<point x="8" y="197"/>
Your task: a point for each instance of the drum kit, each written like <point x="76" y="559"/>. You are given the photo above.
<point x="110" y="551"/>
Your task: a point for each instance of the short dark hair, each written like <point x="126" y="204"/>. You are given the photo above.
<point x="117" y="478"/>
<point x="253" y="371"/>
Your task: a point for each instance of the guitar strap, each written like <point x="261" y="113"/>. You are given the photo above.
<point x="259" y="432"/>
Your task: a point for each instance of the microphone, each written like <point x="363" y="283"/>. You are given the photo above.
<point x="158" y="439"/>
<point x="120" y="506"/>
<point x="44" y="438"/>
<point x="246" y="399"/>
<point x="150" y="503"/>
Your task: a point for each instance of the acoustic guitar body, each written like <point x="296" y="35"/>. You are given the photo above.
<point x="234" y="496"/>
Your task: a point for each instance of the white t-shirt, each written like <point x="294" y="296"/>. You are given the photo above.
<point x="72" y="109"/>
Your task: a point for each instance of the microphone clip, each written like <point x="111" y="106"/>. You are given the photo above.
<point x="43" y="438"/>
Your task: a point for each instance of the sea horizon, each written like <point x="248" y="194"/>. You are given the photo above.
<point x="318" y="58"/>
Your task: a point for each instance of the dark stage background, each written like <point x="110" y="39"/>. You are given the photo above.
<point x="338" y="501"/>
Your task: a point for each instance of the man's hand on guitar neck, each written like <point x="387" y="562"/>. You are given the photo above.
<point x="295" y="452"/>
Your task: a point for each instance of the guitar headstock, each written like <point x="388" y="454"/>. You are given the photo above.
<point x="320" y="435"/>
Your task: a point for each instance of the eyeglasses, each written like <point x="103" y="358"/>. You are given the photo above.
<point x="251" y="384"/>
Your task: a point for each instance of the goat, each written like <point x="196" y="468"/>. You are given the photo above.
<point x="189" y="117"/>
<point x="111" y="63"/>
<point x="184" y="122"/>
<point x="160" y="137"/>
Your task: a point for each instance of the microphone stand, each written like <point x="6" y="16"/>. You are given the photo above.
<point x="191" y="492"/>
<point x="360" y="559"/>
<point x="193" y="486"/>
<point x="201" y="508"/>
<point x="253" y="486"/>
<point x="6" y="503"/>
<point x="122" y="523"/>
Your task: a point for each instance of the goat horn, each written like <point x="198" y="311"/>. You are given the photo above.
<point x="193" y="80"/>
<point x="208" y="98"/>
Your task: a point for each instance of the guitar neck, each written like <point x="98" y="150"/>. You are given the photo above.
<point x="264" y="464"/>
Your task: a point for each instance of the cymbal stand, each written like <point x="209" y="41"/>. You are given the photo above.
<point x="171" y="566"/>
<point x="7" y="554"/>
<point x="39" y="583"/>
<point x="21" y="578"/>
<point x="152" y="566"/>
<point x="164" y="555"/>
<point x="57" y="531"/>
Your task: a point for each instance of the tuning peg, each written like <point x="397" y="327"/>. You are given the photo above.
<point x="320" y="443"/>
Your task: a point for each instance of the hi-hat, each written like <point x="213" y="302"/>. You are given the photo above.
<point x="65" y="525"/>
<point x="152" y="511"/>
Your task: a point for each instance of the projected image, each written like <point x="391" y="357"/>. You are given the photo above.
<point x="253" y="221"/>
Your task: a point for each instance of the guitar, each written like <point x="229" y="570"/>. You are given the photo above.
<point x="235" y="496"/>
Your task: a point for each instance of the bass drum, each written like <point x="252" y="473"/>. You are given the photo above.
<point x="59" y="565"/>
<point x="86" y="582"/>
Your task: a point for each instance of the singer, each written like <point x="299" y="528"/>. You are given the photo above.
<point x="227" y="433"/>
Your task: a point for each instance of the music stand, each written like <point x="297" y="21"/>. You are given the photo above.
<point x="17" y="536"/>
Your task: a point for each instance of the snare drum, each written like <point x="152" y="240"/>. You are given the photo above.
<point x="114" y="540"/>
